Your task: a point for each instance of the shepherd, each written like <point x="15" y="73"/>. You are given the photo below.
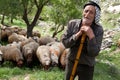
<point x="89" y="29"/>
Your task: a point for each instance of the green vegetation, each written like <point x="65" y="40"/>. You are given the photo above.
<point x="33" y="74"/>
<point x="108" y="67"/>
<point x="109" y="21"/>
<point x="104" y="71"/>
<point x="30" y="11"/>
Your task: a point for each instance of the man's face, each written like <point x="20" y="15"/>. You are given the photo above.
<point x="88" y="15"/>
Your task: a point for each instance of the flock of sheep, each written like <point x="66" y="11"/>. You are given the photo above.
<point x="21" y="50"/>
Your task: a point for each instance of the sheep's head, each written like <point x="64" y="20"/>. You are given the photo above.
<point x="54" y="57"/>
<point x="46" y="67"/>
<point x="20" y="63"/>
<point x="46" y="61"/>
<point x="28" y="55"/>
<point x="29" y="60"/>
<point x="47" y="64"/>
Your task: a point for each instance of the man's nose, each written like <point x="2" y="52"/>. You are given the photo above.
<point x="87" y="14"/>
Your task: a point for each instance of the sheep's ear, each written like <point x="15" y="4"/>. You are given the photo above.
<point x="49" y="44"/>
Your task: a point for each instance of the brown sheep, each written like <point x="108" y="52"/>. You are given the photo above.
<point x="15" y="44"/>
<point x="16" y="37"/>
<point x="22" y="32"/>
<point x="4" y="36"/>
<point x="45" y="40"/>
<point x="28" y="40"/>
<point x="36" y="33"/>
<point x="63" y="59"/>
<point x="29" y="53"/>
<point x="14" y="29"/>
<point x="43" y="54"/>
<point x="12" y="53"/>
<point x="8" y="31"/>
<point x="13" y="37"/>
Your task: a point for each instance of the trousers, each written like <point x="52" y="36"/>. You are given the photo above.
<point x="84" y="72"/>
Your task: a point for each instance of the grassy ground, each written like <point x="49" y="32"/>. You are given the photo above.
<point x="107" y="68"/>
<point x="16" y="73"/>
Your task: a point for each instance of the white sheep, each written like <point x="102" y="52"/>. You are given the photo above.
<point x="43" y="54"/>
<point x="56" y="48"/>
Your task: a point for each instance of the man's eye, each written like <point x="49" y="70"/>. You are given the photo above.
<point x="86" y="11"/>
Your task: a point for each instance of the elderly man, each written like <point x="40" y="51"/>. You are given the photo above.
<point x="90" y="26"/>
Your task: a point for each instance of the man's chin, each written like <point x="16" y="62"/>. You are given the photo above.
<point x="87" y="22"/>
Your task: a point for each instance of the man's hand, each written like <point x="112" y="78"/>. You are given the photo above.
<point x="88" y="31"/>
<point x="78" y="34"/>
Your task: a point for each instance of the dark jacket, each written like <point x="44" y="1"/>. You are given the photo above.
<point x="91" y="47"/>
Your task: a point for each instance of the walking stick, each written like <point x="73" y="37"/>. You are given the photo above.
<point x="77" y="57"/>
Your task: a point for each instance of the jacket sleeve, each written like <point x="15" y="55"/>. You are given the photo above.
<point x="94" y="44"/>
<point x="68" y="38"/>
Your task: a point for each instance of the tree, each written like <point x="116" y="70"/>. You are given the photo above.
<point x="10" y="9"/>
<point x="28" y="6"/>
<point x="23" y="8"/>
<point x="30" y="10"/>
<point x="64" y="10"/>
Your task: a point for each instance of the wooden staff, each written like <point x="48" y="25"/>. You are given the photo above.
<point x="77" y="57"/>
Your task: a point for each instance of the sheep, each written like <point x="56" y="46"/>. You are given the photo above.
<point x="36" y="39"/>
<point x="6" y="32"/>
<point x="43" y="54"/>
<point x="45" y="40"/>
<point x="15" y="44"/>
<point x="36" y="33"/>
<point x="18" y="30"/>
<point x="14" y="29"/>
<point x="28" y="40"/>
<point x="12" y="53"/>
<point x="15" y="37"/>
<point x="29" y="53"/>
<point x="9" y="31"/>
<point x="3" y="35"/>
<point x="22" y="32"/>
<point x="12" y="38"/>
<point x="63" y="58"/>
<point x="56" y="48"/>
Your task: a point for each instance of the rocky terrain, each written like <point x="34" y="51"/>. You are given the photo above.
<point x="110" y="19"/>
